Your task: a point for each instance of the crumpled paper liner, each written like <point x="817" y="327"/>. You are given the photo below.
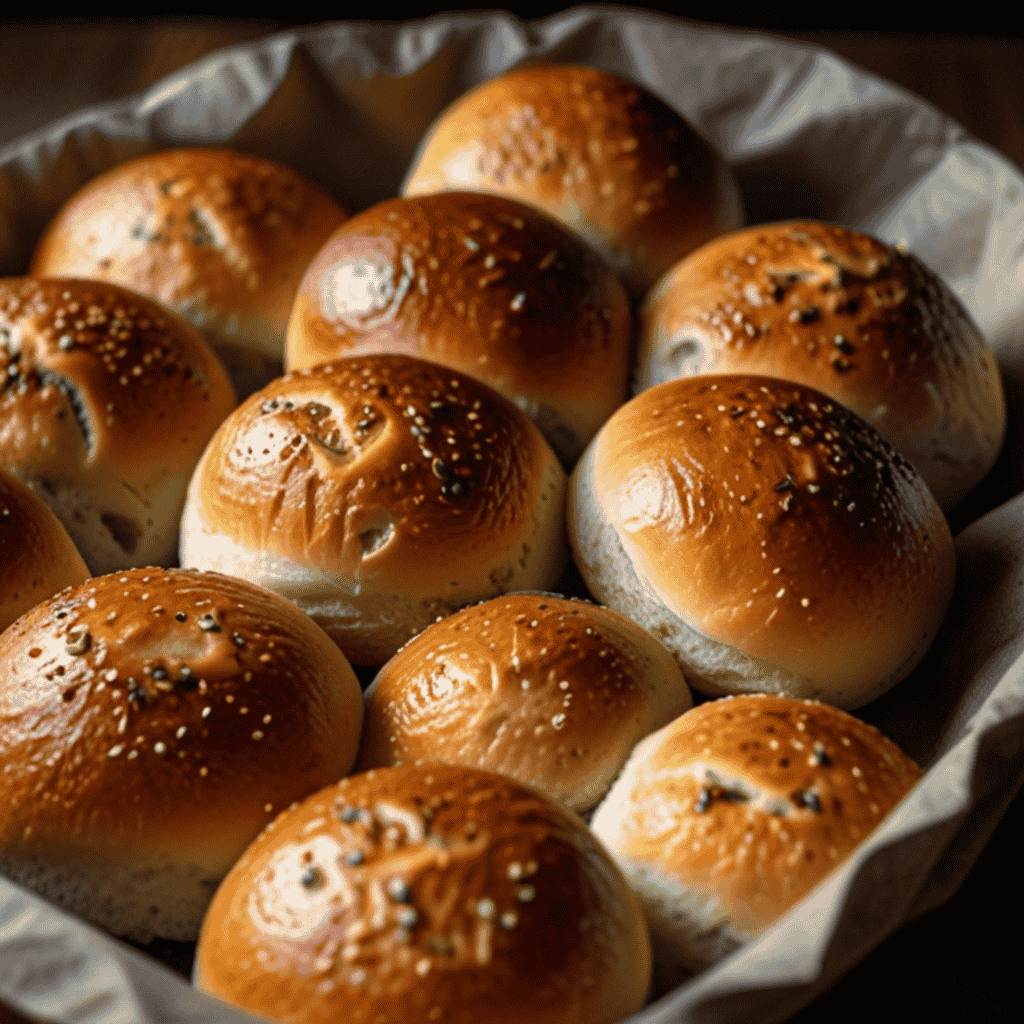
<point x="808" y="136"/>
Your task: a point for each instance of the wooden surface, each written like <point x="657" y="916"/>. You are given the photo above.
<point x="949" y="964"/>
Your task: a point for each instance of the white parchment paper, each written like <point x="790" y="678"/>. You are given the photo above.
<point x="808" y="136"/>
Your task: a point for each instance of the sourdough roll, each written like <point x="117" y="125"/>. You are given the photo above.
<point x="433" y="893"/>
<point x="106" y="403"/>
<point x="378" y="493"/>
<point x="37" y="557"/>
<point x="726" y="818"/>
<point x="842" y="312"/>
<point x="599" y="153"/>
<point x="772" y="539"/>
<point x="553" y="693"/>
<point x="222" y="238"/>
<point x="483" y="285"/>
<point x="151" y="723"/>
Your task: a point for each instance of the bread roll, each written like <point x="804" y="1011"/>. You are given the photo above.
<point x="728" y="817"/>
<point x="553" y="693"/>
<point x="483" y="285"/>
<point x="378" y="493"/>
<point x="839" y="311"/>
<point x="153" y="722"/>
<point x="436" y="893"/>
<point x="601" y="154"/>
<point x="37" y="557"/>
<point x="106" y="403"/>
<point x="222" y="238"/>
<point x="771" y="538"/>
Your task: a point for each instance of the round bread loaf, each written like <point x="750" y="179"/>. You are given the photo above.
<point x="222" y="238"/>
<point x="378" y="493"/>
<point x="37" y="557"/>
<point x="841" y="312"/>
<point x="426" y="894"/>
<point x="728" y="817"/>
<point x="553" y="693"/>
<point x="153" y="722"/>
<point x="483" y="285"/>
<point x="106" y="403"/>
<point x="771" y="538"/>
<point x="604" y="156"/>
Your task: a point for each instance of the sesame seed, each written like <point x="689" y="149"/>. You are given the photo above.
<point x="398" y="890"/>
<point x="312" y="877"/>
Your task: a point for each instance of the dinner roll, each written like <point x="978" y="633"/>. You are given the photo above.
<point x="222" y="238"/>
<point x="434" y="893"/>
<point x="37" y="557"/>
<point x="601" y="154"/>
<point x="378" y="493"/>
<point x="554" y="693"/>
<point x="728" y="817"/>
<point x="153" y="722"/>
<point x="483" y="285"/>
<point x="771" y="538"/>
<point x="839" y="311"/>
<point x="106" y="403"/>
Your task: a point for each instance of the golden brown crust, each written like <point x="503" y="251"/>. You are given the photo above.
<point x="741" y="807"/>
<point x="419" y="894"/>
<point x="37" y="557"/>
<point x="483" y="285"/>
<point x="767" y="518"/>
<point x="839" y="311"/>
<point x="106" y="403"/>
<point x="378" y="479"/>
<point x="553" y="693"/>
<point x="606" y="157"/>
<point x="223" y="238"/>
<point x="164" y="716"/>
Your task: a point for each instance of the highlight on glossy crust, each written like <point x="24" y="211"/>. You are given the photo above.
<point x="483" y="285"/>
<point x="153" y="722"/>
<point x="37" y="557"/>
<point x="771" y="538"/>
<point x="552" y="692"/>
<point x="728" y="817"/>
<point x="842" y="312"/>
<point x="604" y="156"/>
<point x="106" y="403"/>
<point x="378" y="493"/>
<point x="222" y="238"/>
<point x="422" y="894"/>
